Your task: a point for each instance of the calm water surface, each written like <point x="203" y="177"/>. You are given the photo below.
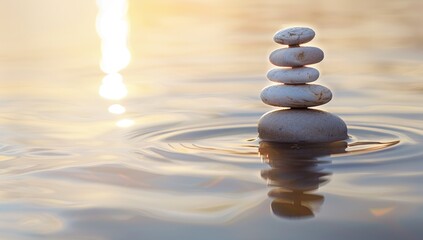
<point x="137" y="120"/>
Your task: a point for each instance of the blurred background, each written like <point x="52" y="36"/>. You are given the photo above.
<point x="171" y="41"/>
<point x="124" y="118"/>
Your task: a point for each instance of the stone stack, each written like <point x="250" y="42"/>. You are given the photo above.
<point x="299" y="123"/>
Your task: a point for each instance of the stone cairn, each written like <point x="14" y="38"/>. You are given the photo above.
<point x="299" y="124"/>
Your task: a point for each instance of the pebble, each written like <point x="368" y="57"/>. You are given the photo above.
<point x="296" y="96"/>
<point x="296" y="56"/>
<point x="301" y="126"/>
<point x="294" y="36"/>
<point x="299" y="75"/>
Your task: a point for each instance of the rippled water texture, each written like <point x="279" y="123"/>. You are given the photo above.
<point x="137" y="120"/>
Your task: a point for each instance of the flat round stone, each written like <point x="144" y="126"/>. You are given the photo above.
<point x="296" y="56"/>
<point x="299" y="75"/>
<point x="294" y="36"/>
<point x="301" y="126"/>
<point x="296" y="96"/>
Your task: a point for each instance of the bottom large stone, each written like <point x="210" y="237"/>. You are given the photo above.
<point x="301" y="126"/>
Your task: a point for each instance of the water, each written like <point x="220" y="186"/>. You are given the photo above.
<point x="177" y="154"/>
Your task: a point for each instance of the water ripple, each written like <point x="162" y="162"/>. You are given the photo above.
<point x="369" y="143"/>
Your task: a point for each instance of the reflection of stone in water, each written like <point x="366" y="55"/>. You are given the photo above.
<point x="295" y="172"/>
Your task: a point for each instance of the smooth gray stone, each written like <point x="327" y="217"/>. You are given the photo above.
<point x="296" y="56"/>
<point x="294" y="36"/>
<point x="295" y="96"/>
<point x="299" y="75"/>
<point x="301" y="126"/>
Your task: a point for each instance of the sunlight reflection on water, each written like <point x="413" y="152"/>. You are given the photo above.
<point x="113" y="29"/>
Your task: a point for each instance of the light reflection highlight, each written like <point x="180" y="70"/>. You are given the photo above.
<point x="113" y="87"/>
<point x="117" y="109"/>
<point x="379" y="212"/>
<point x="113" y="29"/>
<point x="124" y="123"/>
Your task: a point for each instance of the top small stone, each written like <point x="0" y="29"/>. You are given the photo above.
<point x="294" y="36"/>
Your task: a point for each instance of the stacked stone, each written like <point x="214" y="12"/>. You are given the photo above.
<point x="293" y="90"/>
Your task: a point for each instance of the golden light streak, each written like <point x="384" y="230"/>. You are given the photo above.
<point x="113" y="29"/>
